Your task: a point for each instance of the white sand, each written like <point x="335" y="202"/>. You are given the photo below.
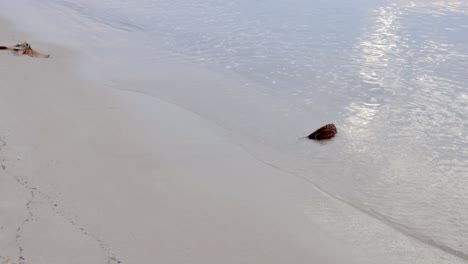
<point x="99" y="175"/>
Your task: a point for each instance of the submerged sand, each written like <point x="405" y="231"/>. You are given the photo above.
<point x="94" y="174"/>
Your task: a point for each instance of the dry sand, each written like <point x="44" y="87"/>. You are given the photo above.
<point x="94" y="174"/>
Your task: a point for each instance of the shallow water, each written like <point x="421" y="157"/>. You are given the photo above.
<point x="391" y="74"/>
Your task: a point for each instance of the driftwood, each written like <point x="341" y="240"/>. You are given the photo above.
<point x="325" y="132"/>
<point x="24" y="49"/>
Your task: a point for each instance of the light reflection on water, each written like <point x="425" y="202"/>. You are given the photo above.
<point x="418" y="125"/>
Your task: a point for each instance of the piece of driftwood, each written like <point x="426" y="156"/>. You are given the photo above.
<point x="325" y="132"/>
<point x="24" y="49"/>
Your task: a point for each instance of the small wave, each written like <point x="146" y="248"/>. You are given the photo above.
<point x="94" y="15"/>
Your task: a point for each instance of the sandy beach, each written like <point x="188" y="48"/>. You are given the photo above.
<point x="99" y="174"/>
<point x="86" y="180"/>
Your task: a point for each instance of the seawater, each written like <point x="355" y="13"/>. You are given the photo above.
<point x="392" y="75"/>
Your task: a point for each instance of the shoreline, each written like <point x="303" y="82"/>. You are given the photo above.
<point x="107" y="175"/>
<point x="97" y="178"/>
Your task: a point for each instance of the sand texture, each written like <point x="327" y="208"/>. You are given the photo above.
<point x="96" y="174"/>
